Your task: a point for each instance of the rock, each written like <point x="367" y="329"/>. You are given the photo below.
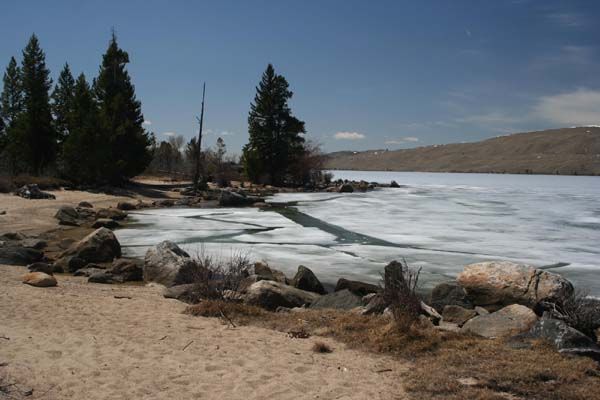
<point x="66" y="243"/>
<point x="233" y="199"/>
<point x="87" y="214"/>
<point x="394" y="184"/>
<point x="457" y="314"/>
<point x="377" y="305"/>
<point x="481" y="311"/>
<point x="356" y="287"/>
<point x="183" y="293"/>
<point x="565" y="338"/>
<point x="13" y="236"/>
<point x="34" y="243"/>
<point x="3" y="212"/>
<point x="449" y="294"/>
<point x="111" y="213"/>
<point x="448" y="326"/>
<point x="67" y="215"/>
<point x="105" y="277"/>
<point x="489" y="283"/>
<point x="305" y="279"/>
<point x="85" y="204"/>
<point x="99" y="246"/>
<point x="127" y="268"/>
<point x="508" y="321"/>
<point x="165" y="203"/>
<point x="39" y="279"/>
<point x="69" y="264"/>
<point x="168" y="265"/>
<point x="32" y="191"/>
<point x="346" y="188"/>
<point x="271" y="294"/>
<point x="430" y="313"/>
<point x="342" y="300"/>
<point x="88" y="271"/>
<point x="14" y="254"/>
<point x="41" y="267"/>
<point x="105" y="223"/>
<point x="267" y="273"/>
<point x="126" y="206"/>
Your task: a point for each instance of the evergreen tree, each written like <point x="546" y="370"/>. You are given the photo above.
<point x="84" y="153"/>
<point x="275" y="134"/>
<point x="62" y="103"/>
<point x="121" y="117"/>
<point x="34" y="125"/>
<point x="11" y="99"/>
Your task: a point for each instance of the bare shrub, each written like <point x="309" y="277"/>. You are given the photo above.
<point x="213" y="276"/>
<point x="400" y="292"/>
<point x="321" y="347"/>
<point x="579" y="311"/>
<point x="221" y="308"/>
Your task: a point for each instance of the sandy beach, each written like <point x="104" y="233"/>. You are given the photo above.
<point x="79" y="341"/>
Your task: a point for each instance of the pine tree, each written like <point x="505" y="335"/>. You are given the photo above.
<point x="84" y="153"/>
<point x="11" y="99"/>
<point x="34" y="125"/>
<point x="121" y="117"/>
<point x="275" y="134"/>
<point x="62" y="103"/>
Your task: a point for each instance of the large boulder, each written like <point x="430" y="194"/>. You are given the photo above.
<point x="269" y="274"/>
<point x="67" y="215"/>
<point x="305" y="279"/>
<point x="15" y="254"/>
<point x="342" y="300"/>
<point x="32" y="191"/>
<point x="394" y="184"/>
<point x="167" y="264"/>
<point x="504" y="282"/>
<point x="111" y="213"/>
<point x="39" y="279"/>
<point x="105" y="223"/>
<point x="358" y="288"/>
<point x="271" y="294"/>
<point x="228" y="198"/>
<point x="508" y="321"/>
<point x="99" y="246"/>
<point x="346" y="188"/>
<point x="565" y="338"/>
<point x="128" y="269"/>
<point x="449" y="294"/>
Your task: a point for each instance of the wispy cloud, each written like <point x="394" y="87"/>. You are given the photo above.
<point x="349" y="136"/>
<point x="567" y="19"/>
<point x="566" y="56"/>
<point x="404" y="140"/>
<point x="489" y="118"/>
<point x="581" y="107"/>
<point x="169" y="133"/>
<point x="219" y="133"/>
<point x="147" y="122"/>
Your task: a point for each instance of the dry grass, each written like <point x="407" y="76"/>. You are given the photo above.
<point x="438" y="359"/>
<point x="321" y="347"/>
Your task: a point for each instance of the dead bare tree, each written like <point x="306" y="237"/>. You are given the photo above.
<point x="198" y="171"/>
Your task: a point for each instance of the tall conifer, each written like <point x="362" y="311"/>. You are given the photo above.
<point x="62" y="103"/>
<point x="11" y="99"/>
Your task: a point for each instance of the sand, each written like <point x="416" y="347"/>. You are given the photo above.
<point x="77" y="341"/>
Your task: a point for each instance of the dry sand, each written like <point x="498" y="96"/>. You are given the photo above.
<point x="77" y="341"/>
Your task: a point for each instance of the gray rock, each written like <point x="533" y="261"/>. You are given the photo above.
<point x="32" y="191"/>
<point x="128" y="269"/>
<point x="67" y="215"/>
<point x="481" y="311"/>
<point x="88" y="271"/>
<point x="168" y="265"/>
<point x="342" y="300"/>
<point x="565" y="338"/>
<point x="346" y="188"/>
<point x="356" y="287"/>
<point x="99" y="246"/>
<point x="186" y="293"/>
<point x="41" y="267"/>
<point x="105" y="277"/>
<point x="126" y="206"/>
<point x="228" y="198"/>
<point x="394" y="184"/>
<point x="271" y="294"/>
<point x="34" y="243"/>
<point x="508" y="321"/>
<point x="69" y="264"/>
<point x="15" y="254"/>
<point x="377" y="305"/>
<point x="305" y="279"/>
<point x="430" y="313"/>
<point x="85" y="204"/>
<point x="111" y="213"/>
<point x="449" y="294"/>
<point x="457" y="314"/>
<point x="105" y="223"/>
<point x="503" y="282"/>
<point x="267" y="273"/>
<point x="66" y="243"/>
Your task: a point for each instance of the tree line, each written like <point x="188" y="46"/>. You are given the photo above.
<point x="90" y="133"/>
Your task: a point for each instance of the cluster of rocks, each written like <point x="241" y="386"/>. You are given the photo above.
<point x="20" y="249"/>
<point x="346" y="186"/>
<point x="85" y="215"/>
<point x="32" y="191"/>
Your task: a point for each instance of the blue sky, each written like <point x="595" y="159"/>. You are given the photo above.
<point x="365" y="75"/>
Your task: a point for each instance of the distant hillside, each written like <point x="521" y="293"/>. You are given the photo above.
<point x="569" y="151"/>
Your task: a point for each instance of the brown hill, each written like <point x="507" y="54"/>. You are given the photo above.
<point x="568" y="151"/>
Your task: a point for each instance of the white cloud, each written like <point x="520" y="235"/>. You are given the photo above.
<point x="581" y="107"/>
<point x="169" y="133"/>
<point x="147" y="122"/>
<point x="407" y="139"/>
<point x="349" y="136"/>
<point x="490" y="118"/>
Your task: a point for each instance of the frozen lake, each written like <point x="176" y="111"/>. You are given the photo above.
<point x="438" y="221"/>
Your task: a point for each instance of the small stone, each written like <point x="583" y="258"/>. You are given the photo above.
<point x="481" y="311"/>
<point x="39" y="279"/>
<point x="85" y="204"/>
